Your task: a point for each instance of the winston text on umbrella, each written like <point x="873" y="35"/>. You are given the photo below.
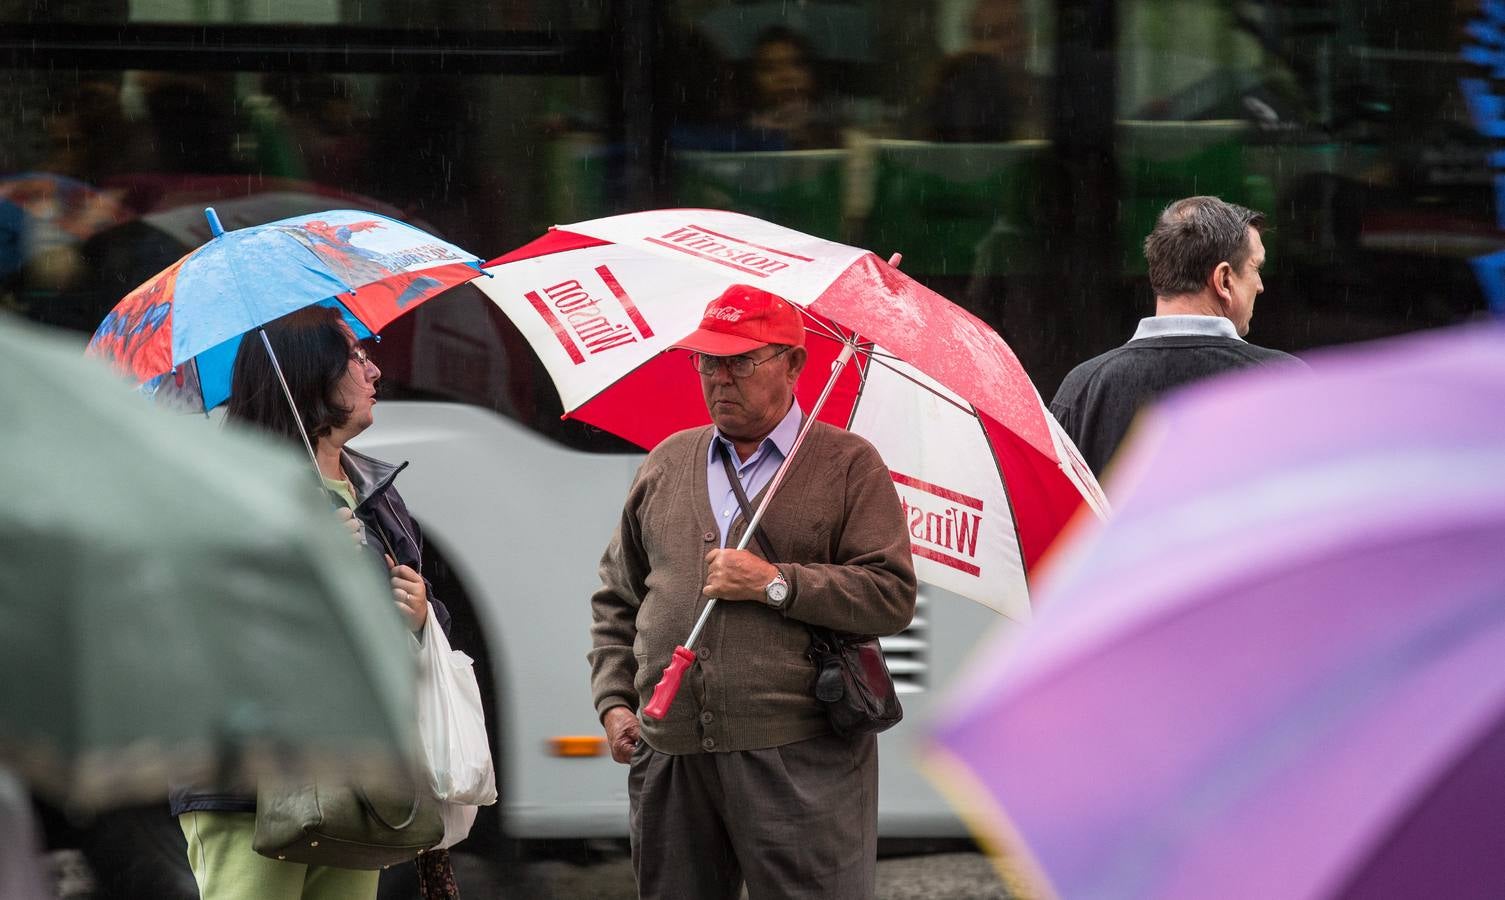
<point x="723" y="249"/>
<point x="581" y="320"/>
<point x="943" y="524"/>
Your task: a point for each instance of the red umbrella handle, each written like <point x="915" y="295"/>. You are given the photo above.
<point x="668" y="685"/>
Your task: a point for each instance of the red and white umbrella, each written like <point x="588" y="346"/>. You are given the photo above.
<point x="986" y="476"/>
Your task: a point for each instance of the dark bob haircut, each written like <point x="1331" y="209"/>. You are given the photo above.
<point x="314" y="353"/>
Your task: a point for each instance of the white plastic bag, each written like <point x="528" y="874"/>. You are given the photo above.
<point x="452" y="724"/>
<point x="458" y="817"/>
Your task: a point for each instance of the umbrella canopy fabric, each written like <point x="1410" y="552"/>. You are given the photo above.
<point x="168" y="221"/>
<point x="196" y="310"/>
<point x="177" y="601"/>
<point x="1277" y="671"/>
<point x="986" y="475"/>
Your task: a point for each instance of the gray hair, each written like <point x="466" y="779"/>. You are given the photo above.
<point x="1191" y="237"/>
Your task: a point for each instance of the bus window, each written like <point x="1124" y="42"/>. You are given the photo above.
<point x="1016" y="161"/>
<point x="104" y="173"/>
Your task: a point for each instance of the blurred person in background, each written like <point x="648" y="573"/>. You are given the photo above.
<point x="54" y="199"/>
<point x="333" y="383"/>
<point x="195" y="120"/>
<point x="1205" y="257"/>
<point x="784" y="98"/>
<point x="310" y="126"/>
<point x="985" y="92"/>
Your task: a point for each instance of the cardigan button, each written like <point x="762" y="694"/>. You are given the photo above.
<point x="710" y="536"/>
<point x="703" y="655"/>
<point x="707" y="717"/>
<point x="709" y="743"/>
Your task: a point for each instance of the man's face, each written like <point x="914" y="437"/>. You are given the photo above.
<point x="1245" y="285"/>
<point x="750" y="408"/>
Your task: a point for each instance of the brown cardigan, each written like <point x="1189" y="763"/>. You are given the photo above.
<point x="837" y="529"/>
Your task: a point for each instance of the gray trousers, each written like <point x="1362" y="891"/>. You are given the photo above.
<point x="794" y="821"/>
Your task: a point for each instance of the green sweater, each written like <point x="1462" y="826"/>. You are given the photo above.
<point x="837" y="529"/>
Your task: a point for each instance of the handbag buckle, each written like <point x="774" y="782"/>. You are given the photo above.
<point x="829" y="686"/>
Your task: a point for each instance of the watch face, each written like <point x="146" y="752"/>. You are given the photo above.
<point x="777" y="591"/>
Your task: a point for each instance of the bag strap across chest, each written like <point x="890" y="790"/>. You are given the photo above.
<point x="747" y="513"/>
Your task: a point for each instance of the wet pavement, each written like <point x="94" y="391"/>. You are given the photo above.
<point x="936" y="876"/>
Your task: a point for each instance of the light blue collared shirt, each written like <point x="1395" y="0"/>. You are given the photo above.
<point x="1196" y="326"/>
<point x="754" y="473"/>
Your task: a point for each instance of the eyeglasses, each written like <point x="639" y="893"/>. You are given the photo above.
<point x="739" y="366"/>
<point x="359" y="354"/>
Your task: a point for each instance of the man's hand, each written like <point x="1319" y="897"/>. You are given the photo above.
<point x="737" y="575"/>
<point x="621" y="732"/>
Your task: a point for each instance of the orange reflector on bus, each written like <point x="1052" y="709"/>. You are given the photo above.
<point x="577" y="745"/>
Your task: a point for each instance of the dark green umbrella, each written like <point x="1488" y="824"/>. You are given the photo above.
<point x="176" y="602"/>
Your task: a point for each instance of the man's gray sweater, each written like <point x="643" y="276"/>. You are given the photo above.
<point x="1099" y="398"/>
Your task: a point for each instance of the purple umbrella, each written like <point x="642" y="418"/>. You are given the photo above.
<point x="1279" y="671"/>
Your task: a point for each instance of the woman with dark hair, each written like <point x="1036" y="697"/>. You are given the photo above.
<point x="333" y="385"/>
<point x="783" y="96"/>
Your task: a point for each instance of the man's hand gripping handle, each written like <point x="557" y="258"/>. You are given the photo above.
<point x="668" y="685"/>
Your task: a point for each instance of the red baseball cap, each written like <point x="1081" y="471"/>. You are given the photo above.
<point x="745" y="318"/>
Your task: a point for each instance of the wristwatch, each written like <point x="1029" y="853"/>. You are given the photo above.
<point x="777" y="591"/>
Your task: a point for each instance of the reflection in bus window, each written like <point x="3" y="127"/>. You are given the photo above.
<point x="947" y="130"/>
<point x="104" y="177"/>
<point x="784" y="98"/>
<point x="987" y="91"/>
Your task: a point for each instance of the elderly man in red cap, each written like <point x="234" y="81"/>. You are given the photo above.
<point x="743" y="779"/>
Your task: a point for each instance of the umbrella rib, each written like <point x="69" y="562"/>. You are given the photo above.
<point x="863" y="360"/>
<point x="199" y="381"/>
<point x="822" y="329"/>
<point x="875" y="360"/>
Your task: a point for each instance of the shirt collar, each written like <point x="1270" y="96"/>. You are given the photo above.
<point x="782" y="436"/>
<point x="1196" y="326"/>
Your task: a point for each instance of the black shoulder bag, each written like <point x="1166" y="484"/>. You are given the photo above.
<point x="852" y="680"/>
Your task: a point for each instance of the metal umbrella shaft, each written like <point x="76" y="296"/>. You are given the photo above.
<point x="291" y="404"/>
<point x="668" y="684"/>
